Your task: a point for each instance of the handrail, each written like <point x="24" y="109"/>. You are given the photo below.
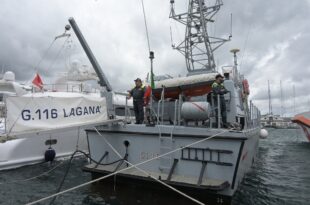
<point x="67" y="87"/>
<point x="163" y="104"/>
<point x="212" y="110"/>
<point x="219" y="116"/>
<point x="126" y="110"/>
<point x="175" y="112"/>
<point x="158" y="108"/>
<point x="179" y="109"/>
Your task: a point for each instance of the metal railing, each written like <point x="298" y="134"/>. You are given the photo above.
<point x="216" y="111"/>
<point x="254" y="116"/>
<point x="251" y="117"/>
<point x="160" y="108"/>
<point x="66" y="87"/>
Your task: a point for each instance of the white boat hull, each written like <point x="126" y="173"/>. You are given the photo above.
<point x="31" y="147"/>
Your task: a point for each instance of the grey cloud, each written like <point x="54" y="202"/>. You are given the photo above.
<point x="115" y="32"/>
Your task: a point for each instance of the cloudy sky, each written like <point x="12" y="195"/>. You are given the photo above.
<point x="273" y="36"/>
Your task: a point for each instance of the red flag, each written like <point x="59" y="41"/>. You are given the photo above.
<point x="37" y="81"/>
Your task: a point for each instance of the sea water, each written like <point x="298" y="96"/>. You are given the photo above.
<point x="281" y="175"/>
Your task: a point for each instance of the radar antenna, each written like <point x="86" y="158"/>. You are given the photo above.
<point x="198" y="46"/>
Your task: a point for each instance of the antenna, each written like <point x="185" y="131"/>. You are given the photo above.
<point x="231" y="25"/>
<point x="198" y="46"/>
<point x="235" y="51"/>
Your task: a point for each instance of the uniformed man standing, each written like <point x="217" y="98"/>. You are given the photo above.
<point x="137" y="93"/>
<point x="219" y="89"/>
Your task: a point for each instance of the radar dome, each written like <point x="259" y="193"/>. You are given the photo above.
<point x="9" y="76"/>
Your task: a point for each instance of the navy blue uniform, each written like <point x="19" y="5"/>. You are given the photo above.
<point x="137" y="94"/>
<point x="219" y="89"/>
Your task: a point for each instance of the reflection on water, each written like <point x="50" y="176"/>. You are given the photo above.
<point x="151" y="193"/>
<point x="281" y="175"/>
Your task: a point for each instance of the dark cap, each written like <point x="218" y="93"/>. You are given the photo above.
<point x="218" y="76"/>
<point x="138" y="79"/>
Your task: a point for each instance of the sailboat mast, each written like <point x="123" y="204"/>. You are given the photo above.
<point x="294" y="106"/>
<point x="269" y="98"/>
<point x="281" y="98"/>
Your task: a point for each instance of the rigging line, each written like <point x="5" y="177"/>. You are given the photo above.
<point x="119" y="171"/>
<point x="36" y="68"/>
<point x="62" y="47"/>
<point x="45" y="53"/>
<point x="148" y="174"/>
<point x="245" y="46"/>
<point x="146" y="29"/>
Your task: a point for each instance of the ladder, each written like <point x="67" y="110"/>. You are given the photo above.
<point x="166" y="144"/>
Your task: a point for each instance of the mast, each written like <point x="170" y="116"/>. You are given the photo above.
<point x="198" y="46"/>
<point x="281" y="93"/>
<point x="294" y="106"/>
<point x="235" y="67"/>
<point x="269" y="97"/>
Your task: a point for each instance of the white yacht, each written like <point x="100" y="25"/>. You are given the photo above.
<point x="34" y="122"/>
<point x="278" y="122"/>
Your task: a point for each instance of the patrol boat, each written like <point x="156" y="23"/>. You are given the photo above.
<point x="182" y="147"/>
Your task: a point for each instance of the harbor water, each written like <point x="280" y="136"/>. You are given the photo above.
<point x="281" y="175"/>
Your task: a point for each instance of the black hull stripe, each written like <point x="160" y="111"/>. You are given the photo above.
<point x="237" y="165"/>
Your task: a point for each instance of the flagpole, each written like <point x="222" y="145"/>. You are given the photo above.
<point x="152" y="74"/>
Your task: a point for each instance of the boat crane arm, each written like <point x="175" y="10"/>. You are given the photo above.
<point x="103" y="81"/>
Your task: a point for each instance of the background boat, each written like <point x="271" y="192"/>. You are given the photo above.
<point x="303" y="120"/>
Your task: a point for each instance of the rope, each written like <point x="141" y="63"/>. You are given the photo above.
<point x="45" y="53"/>
<point x="69" y="166"/>
<point x="245" y="46"/>
<point x="62" y="47"/>
<point x="122" y="170"/>
<point x="35" y="177"/>
<point x="149" y="175"/>
<point x="146" y="29"/>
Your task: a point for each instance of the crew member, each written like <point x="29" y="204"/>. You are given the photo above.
<point x="219" y="89"/>
<point x="137" y="93"/>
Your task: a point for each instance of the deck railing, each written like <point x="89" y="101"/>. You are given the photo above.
<point x="67" y="87"/>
